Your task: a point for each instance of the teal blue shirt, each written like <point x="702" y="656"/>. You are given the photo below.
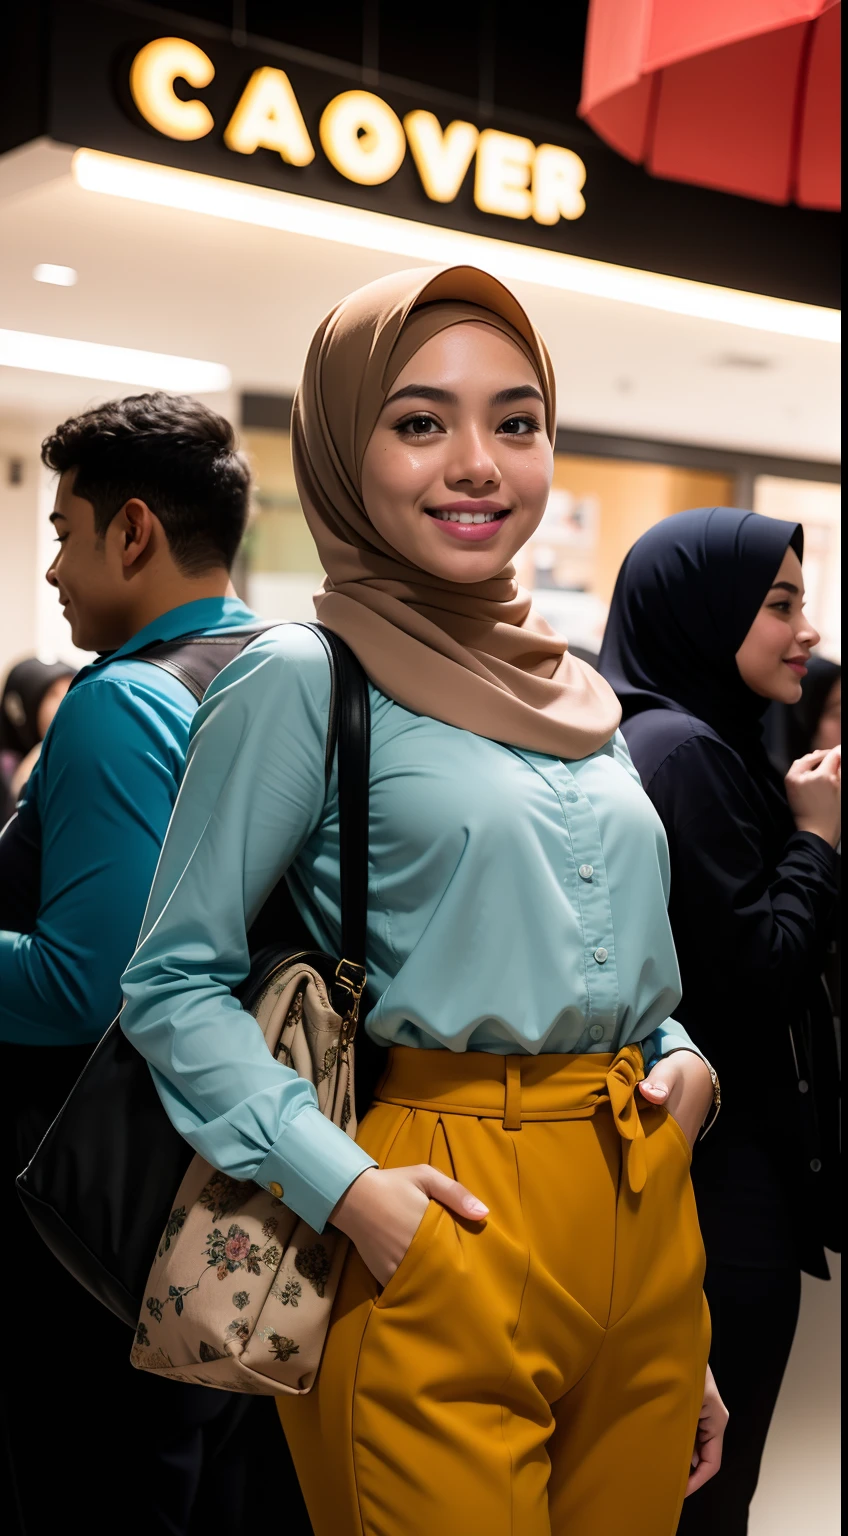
<point x="516" y="904"/>
<point x="97" y="805"/>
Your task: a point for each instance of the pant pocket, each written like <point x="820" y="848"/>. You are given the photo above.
<point x="396" y="1284"/>
<point x="679" y="1135"/>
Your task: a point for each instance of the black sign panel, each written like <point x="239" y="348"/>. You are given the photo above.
<point x="630" y="218"/>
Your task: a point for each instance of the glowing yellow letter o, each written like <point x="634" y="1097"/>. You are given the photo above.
<point x="362" y="137"/>
<point x="152" y="75"/>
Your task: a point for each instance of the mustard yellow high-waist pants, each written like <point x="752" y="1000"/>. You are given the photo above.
<point x="540" y="1374"/>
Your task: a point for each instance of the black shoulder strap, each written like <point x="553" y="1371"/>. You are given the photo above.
<point x="350" y="715"/>
<point x="197" y="659"/>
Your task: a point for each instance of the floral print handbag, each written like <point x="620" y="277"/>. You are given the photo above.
<point x="240" y="1291"/>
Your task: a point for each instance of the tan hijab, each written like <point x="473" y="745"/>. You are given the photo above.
<point x="476" y="656"/>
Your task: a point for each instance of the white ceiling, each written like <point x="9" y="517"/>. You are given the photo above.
<point x="250" y="297"/>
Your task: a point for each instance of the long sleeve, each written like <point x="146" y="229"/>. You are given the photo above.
<point x="253" y="793"/>
<point x="738" y="916"/>
<point x="104" y="786"/>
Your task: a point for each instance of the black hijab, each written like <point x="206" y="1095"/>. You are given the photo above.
<point x="685" y="598"/>
<point x="25" y="688"/>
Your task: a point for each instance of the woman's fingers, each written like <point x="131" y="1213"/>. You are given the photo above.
<point x="450" y="1193"/>
<point x="709" y="1437"/>
<point x="708" y="1455"/>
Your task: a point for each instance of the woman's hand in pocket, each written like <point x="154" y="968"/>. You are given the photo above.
<point x="681" y="1083"/>
<point x="383" y="1209"/>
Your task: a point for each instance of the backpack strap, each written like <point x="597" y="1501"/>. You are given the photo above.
<point x="196" y="660"/>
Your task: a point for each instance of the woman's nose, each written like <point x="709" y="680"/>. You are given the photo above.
<point x="472" y="462"/>
<point x="807" y="634"/>
<point x="50" y="575"/>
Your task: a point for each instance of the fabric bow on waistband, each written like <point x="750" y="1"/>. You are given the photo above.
<point x="622" y="1080"/>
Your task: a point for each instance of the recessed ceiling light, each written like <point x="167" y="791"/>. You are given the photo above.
<point x="119" y="365"/>
<point x="61" y="277"/>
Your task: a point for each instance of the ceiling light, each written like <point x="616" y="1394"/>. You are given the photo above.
<point x="120" y="365"/>
<point x="292" y="214"/>
<point x="61" y="277"/>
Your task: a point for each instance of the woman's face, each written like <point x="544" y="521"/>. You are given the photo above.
<point x="457" y="472"/>
<point x="829" y="729"/>
<point x="772" y="658"/>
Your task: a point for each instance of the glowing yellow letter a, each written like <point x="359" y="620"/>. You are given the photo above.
<point x="269" y="117"/>
<point x="441" y="159"/>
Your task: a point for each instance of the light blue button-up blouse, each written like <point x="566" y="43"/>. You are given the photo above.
<point x="516" y="904"/>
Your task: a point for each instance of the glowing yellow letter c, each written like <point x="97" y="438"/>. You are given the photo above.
<point x="152" y="75"/>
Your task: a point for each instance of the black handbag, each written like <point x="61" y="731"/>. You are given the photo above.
<point x="101" y="1184"/>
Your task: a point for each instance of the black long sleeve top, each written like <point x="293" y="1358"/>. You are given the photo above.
<point x="752" y="905"/>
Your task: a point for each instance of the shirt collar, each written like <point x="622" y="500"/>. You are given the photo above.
<point x="205" y="615"/>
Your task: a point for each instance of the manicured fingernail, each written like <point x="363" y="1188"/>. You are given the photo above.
<point x="659" y="1089"/>
<point x="476" y="1208"/>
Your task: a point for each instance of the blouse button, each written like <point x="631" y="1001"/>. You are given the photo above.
<point x="596" y="1032"/>
<point x="276" y="1190"/>
<point x="586" y="871"/>
<point x="572" y="796"/>
<point x="601" y="955"/>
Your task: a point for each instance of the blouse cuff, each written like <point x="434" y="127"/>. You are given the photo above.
<point x="670" y="1037"/>
<point x="311" y="1165"/>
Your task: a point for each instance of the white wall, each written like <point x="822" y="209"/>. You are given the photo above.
<point x="18" y="545"/>
<point x="800" y="1484"/>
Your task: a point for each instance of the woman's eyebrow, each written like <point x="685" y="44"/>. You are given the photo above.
<point x="424" y="392"/>
<point x="447" y="396"/>
<point x="518" y="392"/>
<point x="784" y="586"/>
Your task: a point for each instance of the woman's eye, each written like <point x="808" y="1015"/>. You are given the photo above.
<point x="519" y="426"/>
<point x="783" y="607"/>
<point x="417" y="426"/>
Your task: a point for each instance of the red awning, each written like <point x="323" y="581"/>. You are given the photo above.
<point x="740" y="95"/>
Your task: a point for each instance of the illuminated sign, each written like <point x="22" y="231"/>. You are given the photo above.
<point x="360" y="135"/>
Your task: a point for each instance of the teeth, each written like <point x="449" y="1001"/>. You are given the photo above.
<point x="467" y="517"/>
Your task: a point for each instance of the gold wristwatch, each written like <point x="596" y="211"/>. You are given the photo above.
<point x="716" y="1099"/>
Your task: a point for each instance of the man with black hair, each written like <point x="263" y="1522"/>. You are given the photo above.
<point x="151" y="505"/>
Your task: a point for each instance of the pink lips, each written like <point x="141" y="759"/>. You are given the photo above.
<point x="471" y="533"/>
<point x="796" y="665"/>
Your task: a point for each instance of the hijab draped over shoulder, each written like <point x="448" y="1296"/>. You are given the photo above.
<point x="685" y="598"/>
<point x="476" y="655"/>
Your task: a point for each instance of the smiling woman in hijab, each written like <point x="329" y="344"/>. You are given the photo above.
<point x="706" y="626"/>
<point x="526" y="1347"/>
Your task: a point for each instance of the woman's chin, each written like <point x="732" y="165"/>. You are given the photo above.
<point x="465" y="562"/>
<point x="787" y="690"/>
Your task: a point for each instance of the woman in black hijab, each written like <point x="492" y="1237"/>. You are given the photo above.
<point x="32" y="693"/>
<point x="706" y="625"/>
